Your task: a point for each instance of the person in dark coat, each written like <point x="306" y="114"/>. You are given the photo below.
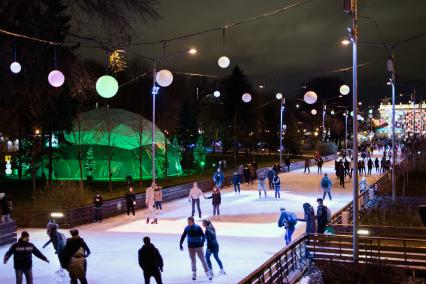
<point x="322" y="216"/>
<point x="212" y="246"/>
<point x="247" y="177"/>
<point x="236" y="181"/>
<point x="216" y="200"/>
<point x="369" y="166"/>
<point x="307" y="165"/>
<point x="130" y="201"/>
<point x="341" y="174"/>
<point x="270" y="176"/>
<point x="320" y="162"/>
<point x="97" y="203"/>
<point x="287" y="163"/>
<point x="150" y="261"/>
<point x="377" y="164"/>
<point x="73" y="257"/>
<point x="58" y="241"/>
<point x="5" y="208"/>
<point x="22" y="252"/>
<point x="309" y="218"/>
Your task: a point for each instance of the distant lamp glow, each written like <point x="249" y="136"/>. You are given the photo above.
<point x="314" y="111"/>
<point x="346" y="42"/>
<point x="363" y="232"/>
<point x="223" y="62"/>
<point x="332" y="112"/>
<point x="107" y="86"/>
<point x="37" y="131"/>
<point x="278" y="96"/>
<point x="56" y="78"/>
<point x="360" y="103"/>
<point x="57" y="215"/>
<point x="246" y="97"/>
<point x="370" y="111"/>
<point x="297" y="106"/>
<point x="310" y="97"/>
<point x="352" y="113"/>
<point x="216" y="94"/>
<point x="388" y="83"/>
<point x="261" y="86"/>
<point x="344" y="89"/>
<point x="15" y="67"/>
<point x="316" y="133"/>
<point x="164" y="78"/>
<point x="192" y="51"/>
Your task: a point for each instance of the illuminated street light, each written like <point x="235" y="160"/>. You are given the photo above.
<point x="346" y="42"/>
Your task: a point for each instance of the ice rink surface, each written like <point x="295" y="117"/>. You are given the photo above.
<point x="247" y="232"/>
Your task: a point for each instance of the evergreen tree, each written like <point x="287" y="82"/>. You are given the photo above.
<point x="177" y="148"/>
<point x="292" y="138"/>
<point x="200" y="153"/>
<point x="90" y="164"/>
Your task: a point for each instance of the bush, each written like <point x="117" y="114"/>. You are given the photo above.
<point x="62" y="195"/>
<point x="326" y="148"/>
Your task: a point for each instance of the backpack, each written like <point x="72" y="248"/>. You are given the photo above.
<point x="324" y="183"/>
<point x="291" y="219"/>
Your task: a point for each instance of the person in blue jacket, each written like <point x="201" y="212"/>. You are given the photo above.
<point x="288" y="220"/>
<point x="218" y="178"/>
<point x="236" y="181"/>
<point x="212" y="246"/>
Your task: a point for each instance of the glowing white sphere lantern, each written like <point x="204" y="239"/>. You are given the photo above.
<point x="164" y="78"/>
<point x="56" y="78"/>
<point x="314" y="111"/>
<point x="310" y="97"/>
<point x="223" y="62"/>
<point x="15" y="67"/>
<point x="246" y="97"/>
<point x="278" y="96"/>
<point x="344" y="89"/>
<point x="107" y="86"/>
<point x="216" y="94"/>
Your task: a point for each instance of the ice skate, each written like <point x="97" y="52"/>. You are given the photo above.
<point x="194" y="275"/>
<point x="209" y="274"/>
<point x="154" y="222"/>
<point x="147" y="220"/>
<point x="222" y="271"/>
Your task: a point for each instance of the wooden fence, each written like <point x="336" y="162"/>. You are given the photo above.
<point x="7" y="233"/>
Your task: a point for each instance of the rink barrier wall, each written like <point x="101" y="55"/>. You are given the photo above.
<point x="85" y="214"/>
<point x="7" y="233"/>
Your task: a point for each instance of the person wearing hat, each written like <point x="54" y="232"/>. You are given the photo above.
<point x="322" y="216"/>
<point x="22" y="252"/>
<point x="288" y="220"/>
<point x="73" y="257"/>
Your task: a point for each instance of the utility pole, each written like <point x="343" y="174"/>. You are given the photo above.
<point x="351" y="7"/>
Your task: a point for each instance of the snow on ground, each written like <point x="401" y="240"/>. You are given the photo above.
<point x="247" y="232"/>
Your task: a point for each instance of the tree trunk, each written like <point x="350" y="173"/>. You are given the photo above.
<point x="33" y="169"/>
<point x="80" y="164"/>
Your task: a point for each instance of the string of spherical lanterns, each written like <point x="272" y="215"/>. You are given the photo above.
<point x="216" y="94"/>
<point x="344" y="90"/>
<point x="106" y="86"/>
<point x="164" y="78"/>
<point x="246" y="97"/>
<point x="314" y="111"/>
<point x="56" y="78"/>
<point x="310" y="97"/>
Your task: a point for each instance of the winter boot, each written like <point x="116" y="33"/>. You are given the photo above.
<point x="155" y="221"/>
<point x="147" y="220"/>
<point x="194" y="275"/>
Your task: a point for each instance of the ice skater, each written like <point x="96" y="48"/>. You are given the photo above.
<point x="270" y="176"/>
<point x="216" y="200"/>
<point x="277" y="186"/>
<point x="158" y="198"/>
<point x="22" y="252"/>
<point x="307" y="165"/>
<point x="218" y="178"/>
<point x="236" y="181"/>
<point x="150" y="261"/>
<point x="195" y="241"/>
<point x="261" y="178"/>
<point x="130" y="201"/>
<point x="97" y="203"/>
<point x="150" y="204"/>
<point x="212" y="246"/>
<point x="6" y="206"/>
<point x="58" y="241"/>
<point x="288" y="220"/>
<point x="194" y="196"/>
<point x="323" y="216"/>
<point x="326" y="186"/>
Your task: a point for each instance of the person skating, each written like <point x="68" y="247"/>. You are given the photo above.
<point x="241" y="172"/>
<point x="323" y="216"/>
<point x="218" y="178"/>
<point x="130" y="201"/>
<point x="288" y="220"/>
<point x="326" y="186"/>
<point x="261" y="178"/>
<point x="58" y="241"/>
<point x="277" y="186"/>
<point x="97" y="203"/>
<point x="287" y="163"/>
<point x="369" y="166"/>
<point x="194" y="196"/>
<point x="150" y="261"/>
<point x="270" y="176"/>
<point x="158" y="198"/>
<point x="150" y="204"/>
<point x="216" y="200"/>
<point x="320" y="162"/>
<point x="51" y="224"/>
<point x="73" y="257"/>
<point x="376" y="164"/>
<point x="5" y="206"/>
<point x="309" y="218"/>
<point x="195" y="242"/>
<point x="252" y="172"/>
<point x="22" y="252"/>
<point x="236" y="181"/>
<point x="341" y="174"/>
<point x="307" y="165"/>
<point x="212" y="246"/>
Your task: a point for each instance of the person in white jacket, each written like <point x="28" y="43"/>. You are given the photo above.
<point x="150" y="204"/>
<point x="194" y="195"/>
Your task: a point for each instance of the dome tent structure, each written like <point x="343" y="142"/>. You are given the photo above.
<point x="120" y="140"/>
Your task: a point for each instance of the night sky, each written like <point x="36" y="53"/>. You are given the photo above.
<point x="295" y="45"/>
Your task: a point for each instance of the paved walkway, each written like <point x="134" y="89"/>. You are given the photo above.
<point x="247" y="232"/>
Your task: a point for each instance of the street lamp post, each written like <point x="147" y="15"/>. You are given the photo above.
<point x="281" y="129"/>
<point x="346" y="131"/>
<point x="324" y="109"/>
